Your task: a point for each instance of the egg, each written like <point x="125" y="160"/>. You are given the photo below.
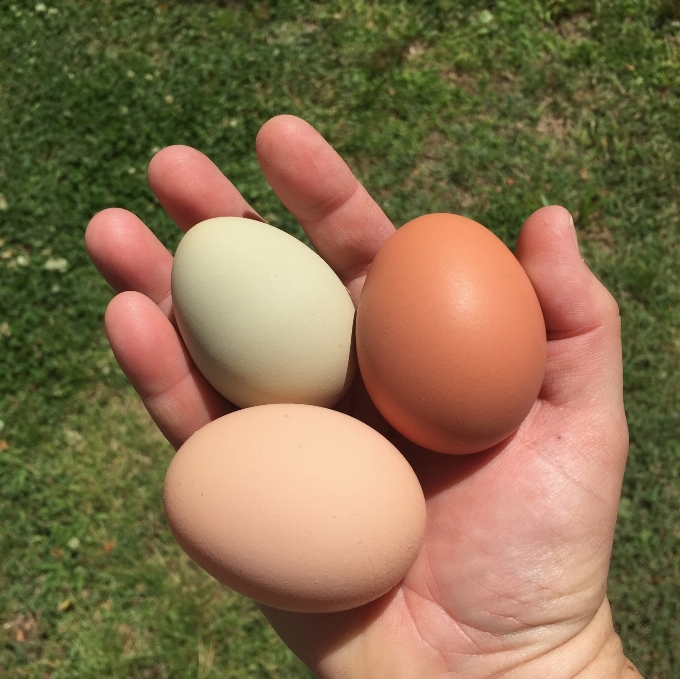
<point x="298" y="507"/>
<point x="450" y="335"/>
<point x="265" y="319"/>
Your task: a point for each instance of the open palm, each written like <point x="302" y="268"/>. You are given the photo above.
<point x="512" y="576"/>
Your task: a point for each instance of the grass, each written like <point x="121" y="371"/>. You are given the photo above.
<point x="488" y="109"/>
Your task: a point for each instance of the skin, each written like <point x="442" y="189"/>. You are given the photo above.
<point x="512" y="576"/>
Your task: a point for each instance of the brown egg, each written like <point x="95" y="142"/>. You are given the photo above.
<point x="450" y="335"/>
<point x="296" y="506"/>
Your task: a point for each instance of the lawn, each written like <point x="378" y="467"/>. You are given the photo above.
<point x="488" y="109"/>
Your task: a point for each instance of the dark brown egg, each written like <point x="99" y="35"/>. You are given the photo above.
<point x="450" y="335"/>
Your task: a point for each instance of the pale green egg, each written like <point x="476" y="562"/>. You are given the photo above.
<point x="265" y="319"/>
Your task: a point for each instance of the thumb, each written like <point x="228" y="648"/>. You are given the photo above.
<point x="581" y="316"/>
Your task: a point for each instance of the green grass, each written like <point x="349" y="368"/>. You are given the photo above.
<point x="489" y="109"/>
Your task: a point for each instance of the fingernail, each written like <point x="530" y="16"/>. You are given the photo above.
<point x="573" y="231"/>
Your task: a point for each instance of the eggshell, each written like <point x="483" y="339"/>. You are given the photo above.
<point x="450" y="335"/>
<point x="264" y="318"/>
<point x="298" y="507"/>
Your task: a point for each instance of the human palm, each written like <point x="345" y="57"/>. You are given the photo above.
<point x="512" y="576"/>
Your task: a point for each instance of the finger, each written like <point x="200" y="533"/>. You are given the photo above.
<point x="129" y="256"/>
<point x="582" y="318"/>
<point x="153" y="358"/>
<point x="343" y="223"/>
<point x="574" y="301"/>
<point x="191" y="188"/>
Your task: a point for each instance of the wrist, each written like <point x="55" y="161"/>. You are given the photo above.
<point x="610" y="663"/>
<point x="594" y="653"/>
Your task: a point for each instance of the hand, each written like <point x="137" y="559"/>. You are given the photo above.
<point x="512" y="576"/>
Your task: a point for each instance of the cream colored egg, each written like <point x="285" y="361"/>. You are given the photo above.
<point x="298" y="507"/>
<point x="264" y="318"/>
